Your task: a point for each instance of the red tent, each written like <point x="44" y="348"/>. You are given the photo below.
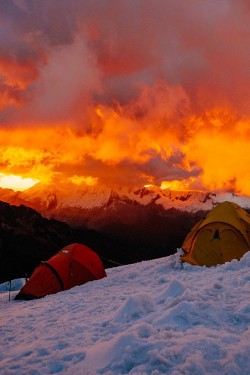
<point x="73" y="265"/>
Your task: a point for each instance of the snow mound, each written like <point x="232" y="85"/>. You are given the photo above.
<point x="134" y="308"/>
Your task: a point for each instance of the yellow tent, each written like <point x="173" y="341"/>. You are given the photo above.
<point x="223" y="235"/>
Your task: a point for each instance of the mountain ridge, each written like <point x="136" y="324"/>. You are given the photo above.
<point x="133" y="219"/>
<point x="51" y="198"/>
<point x="27" y="238"/>
<point x="124" y="225"/>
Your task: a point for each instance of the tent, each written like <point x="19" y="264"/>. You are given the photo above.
<point x="223" y="235"/>
<point x="73" y="265"/>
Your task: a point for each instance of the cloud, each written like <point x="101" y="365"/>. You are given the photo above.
<point x="66" y="84"/>
<point x="128" y="90"/>
<point x="202" y="46"/>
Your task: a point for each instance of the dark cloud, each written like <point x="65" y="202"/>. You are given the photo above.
<point x="201" y="45"/>
<point x="128" y="172"/>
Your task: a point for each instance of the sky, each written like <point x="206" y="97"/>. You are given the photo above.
<point x="150" y="318"/>
<point x="129" y="92"/>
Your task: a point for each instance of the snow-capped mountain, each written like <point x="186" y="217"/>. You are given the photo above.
<point x="136" y="218"/>
<point x="56" y="197"/>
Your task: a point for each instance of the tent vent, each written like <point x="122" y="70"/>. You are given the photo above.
<point x="216" y="235"/>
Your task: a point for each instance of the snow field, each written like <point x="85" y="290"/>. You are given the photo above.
<point x="153" y="317"/>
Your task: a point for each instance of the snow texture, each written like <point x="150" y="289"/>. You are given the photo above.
<point x="90" y="197"/>
<point x="153" y="317"/>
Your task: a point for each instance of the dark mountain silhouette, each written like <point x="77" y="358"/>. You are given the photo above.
<point x="135" y="234"/>
<point x="26" y="238"/>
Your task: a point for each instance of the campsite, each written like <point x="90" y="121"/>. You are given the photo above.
<point x="161" y="316"/>
<point x="220" y="237"/>
<point x="153" y="317"/>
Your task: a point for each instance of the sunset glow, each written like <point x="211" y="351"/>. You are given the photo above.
<point x="177" y="185"/>
<point x="16" y="182"/>
<point x="90" y="181"/>
<point x="90" y="95"/>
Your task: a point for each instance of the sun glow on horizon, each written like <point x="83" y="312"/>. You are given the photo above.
<point x="16" y="183"/>
<point x="89" y="180"/>
<point x="174" y="185"/>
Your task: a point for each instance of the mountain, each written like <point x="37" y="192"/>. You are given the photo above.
<point x="53" y="199"/>
<point x="132" y="220"/>
<point x="27" y="238"/>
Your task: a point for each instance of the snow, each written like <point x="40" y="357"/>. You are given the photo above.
<point x="89" y="197"/>
<point x="153" y="317"/>
<point x="54" y="199"/>
<point x="92" y="197"/>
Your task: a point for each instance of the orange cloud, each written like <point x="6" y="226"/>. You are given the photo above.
<point x="122" y="93"/>
<point x="224" y="157"/>
<point x="155" y="139"/>
<point x="17" y="74"/>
